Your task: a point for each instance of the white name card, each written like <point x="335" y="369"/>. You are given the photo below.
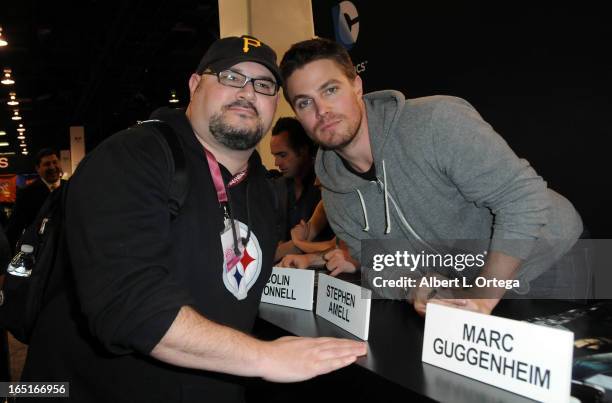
<point x="526" y="359"/>
<point x="290" y="287"/>
<point x="344" y="304"/>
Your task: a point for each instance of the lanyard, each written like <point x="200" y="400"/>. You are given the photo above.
<point x="215" y="172"/>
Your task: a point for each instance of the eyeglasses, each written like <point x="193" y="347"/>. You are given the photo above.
<point x="238" y="80"/>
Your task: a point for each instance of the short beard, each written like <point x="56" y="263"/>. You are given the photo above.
<point x="340" y="146"/>
<point x="235" y="138"/>
<point x="351" y="134"/>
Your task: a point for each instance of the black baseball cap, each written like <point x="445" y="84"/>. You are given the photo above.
<point x="226" y="52"/>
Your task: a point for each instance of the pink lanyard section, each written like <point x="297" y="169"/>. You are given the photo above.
<point x="215" y="172"/>
<point x="217" y="178"/>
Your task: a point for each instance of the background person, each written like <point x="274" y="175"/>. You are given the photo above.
<point x="30" y="199"/>
<point x="294" y="154"/>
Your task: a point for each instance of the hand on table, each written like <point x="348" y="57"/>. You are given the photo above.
<point x="339" y="261"/>
<point x="294" y="359"/>
<point x="452" y="298"/>
<point x="297" y="261"/>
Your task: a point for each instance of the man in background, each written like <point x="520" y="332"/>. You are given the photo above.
<point x="294" y="154"/>
<point x="31" y="198"/>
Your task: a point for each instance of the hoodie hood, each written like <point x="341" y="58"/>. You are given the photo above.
<point x="383" y="110"/>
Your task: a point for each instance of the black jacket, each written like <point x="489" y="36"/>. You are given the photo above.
<point x="134" y="268"/>
<point x="27" y="203"/>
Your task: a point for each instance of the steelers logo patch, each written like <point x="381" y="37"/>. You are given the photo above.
<point x="242" y="276"/>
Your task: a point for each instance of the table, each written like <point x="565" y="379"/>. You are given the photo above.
<point x="395" y="346"/>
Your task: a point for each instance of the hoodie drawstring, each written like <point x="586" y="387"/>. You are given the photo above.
<point x="387" y="214"/>
<point x="366" y="228"/>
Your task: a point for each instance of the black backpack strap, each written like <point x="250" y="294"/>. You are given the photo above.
<point x="179" y="187"/>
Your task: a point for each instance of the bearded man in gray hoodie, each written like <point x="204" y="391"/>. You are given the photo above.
<point x="425" y="170"/>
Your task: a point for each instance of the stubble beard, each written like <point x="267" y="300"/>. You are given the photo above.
<point x="345" y="137"/>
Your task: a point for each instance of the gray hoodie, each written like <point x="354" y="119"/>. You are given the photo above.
<point x="443" y="174"/>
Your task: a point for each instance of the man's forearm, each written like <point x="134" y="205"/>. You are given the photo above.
<point x="501" y="267"/>
<point x="285" y="248"/>
<point x="196" y="342"/>
<point x="314" y="247"/>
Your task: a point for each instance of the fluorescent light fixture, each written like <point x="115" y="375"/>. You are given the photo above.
<point x="2" y="133"/>
<point x="3" y="41"/>
<point x="22" y="145"/>
<point x="16" y="115"/>
<point x="21" y="137"/>
<point x="13" y="99"/>
<point x="4" y="144"/>
<point x="7" y="80"/>
<point x="173" y="99"/>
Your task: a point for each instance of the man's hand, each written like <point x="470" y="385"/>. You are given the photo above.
<point x="294" y="359"/>
<point x="498" y="265"/>
<point x="301" y="261"/>
<point x="420" y="297"/>
<point x="454" y="298"/>
<point x="475" y="305"/>
<point x="339" y="261"/>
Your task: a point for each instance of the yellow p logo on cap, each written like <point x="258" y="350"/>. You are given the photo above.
<point x="249" y="42"/>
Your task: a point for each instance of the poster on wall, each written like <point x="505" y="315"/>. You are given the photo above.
<point x="8" y="188"/>
<point x="341" y="21"/>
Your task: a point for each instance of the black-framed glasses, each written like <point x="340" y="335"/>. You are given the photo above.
<point x="238" y="80"/>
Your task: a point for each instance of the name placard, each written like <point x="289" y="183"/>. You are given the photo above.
<point x="290" y="287"/>
<point x="344" y="304"/>
<point x="527" y="359"/>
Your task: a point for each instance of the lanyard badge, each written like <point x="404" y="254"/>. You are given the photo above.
<point x="231" y="242"/>
<point x="232" y="247"/>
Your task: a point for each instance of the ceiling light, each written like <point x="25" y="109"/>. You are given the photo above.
<point x="3" y="41"/>
<point x="13" y="99"/>
<point x="4" y="144"/>
<point x="21" y="129"/>
<point x="20" y="145"/>
<point x="8" y="153"/>
<point x="21" y="137"/>
<point x="25" y="152"/>
<point x="7" y="80"/>
<point x="16" y="115"/>
<point x="2" y="133"/>
<point x="173" y="99"/>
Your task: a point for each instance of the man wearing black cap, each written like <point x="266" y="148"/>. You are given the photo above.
<point x="167" y="303"/>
